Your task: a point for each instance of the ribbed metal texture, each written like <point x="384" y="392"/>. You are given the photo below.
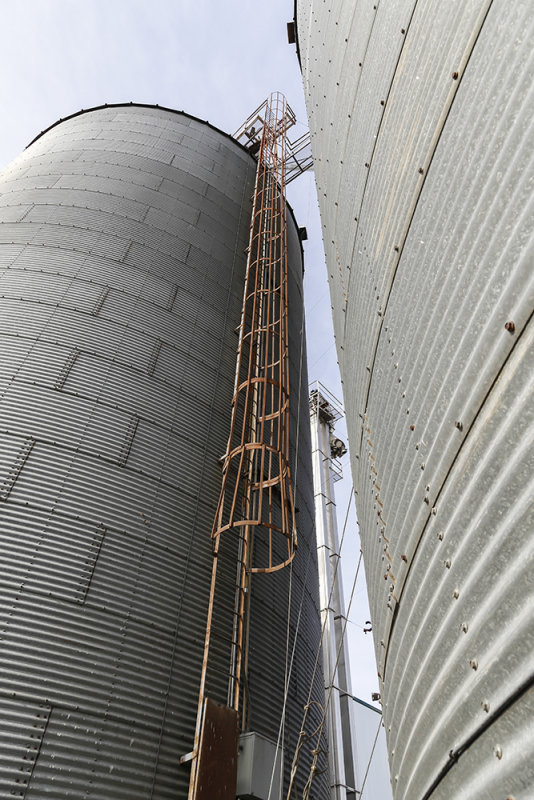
<point x="122" y="243"/>
<point x="421" y="119"/>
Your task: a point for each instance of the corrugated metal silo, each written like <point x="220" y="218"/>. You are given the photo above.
<point x="123" y="233"/>
<point x="421" y="122"/>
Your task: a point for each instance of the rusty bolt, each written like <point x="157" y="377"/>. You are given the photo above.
<point x="455" y="76"/>
<point x="403" y="558"/>
<point x="421" y="170"/>
<point x="510" y="327"/>
<point x="412" y="427"/>
<point x="382" y="103"/>
<point x="403" y="30"/>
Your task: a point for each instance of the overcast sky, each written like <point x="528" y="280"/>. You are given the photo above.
<point x="215" y="59"/>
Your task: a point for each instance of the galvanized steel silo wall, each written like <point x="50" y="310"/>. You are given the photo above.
<point x="122" y="260"/>
<point x="421" y="118"/>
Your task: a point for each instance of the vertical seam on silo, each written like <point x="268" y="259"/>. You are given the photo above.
<point x="446" y="477"/>
<point x="408" y="226"/>
<point x="49" y="709"/>
<point x="14" y="473"/>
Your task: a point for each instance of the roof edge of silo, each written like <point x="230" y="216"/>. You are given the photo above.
<point x="137" y="105"/>
<point x="295" y="22"/>
<point x="161" y="108"/>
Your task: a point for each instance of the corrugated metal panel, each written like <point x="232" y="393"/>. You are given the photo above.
<point x="437" y="175"/>
<point x="119" y="302"/>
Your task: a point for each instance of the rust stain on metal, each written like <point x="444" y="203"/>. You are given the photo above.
<point x="510" y="327"/>
<point x="216" y="773"/>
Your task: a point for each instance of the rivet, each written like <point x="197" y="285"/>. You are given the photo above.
<point x="447" y="563"/>
<point x="440" y="536"/>
<point x="455" y="76"/>
<point x="412" y="427"/>
<point x="403" y="558"/>
<point x="456" y="594"/>
<point x="498" y="751"/>
<point x="485" y="705"/>
<point x="422" y="465"/>
<point x="421" y="170"/>
<point x="510" y="327"/>
<point x="459" y="425"/>
<point x="473" y="663"/>
<point x="465" y="627"/>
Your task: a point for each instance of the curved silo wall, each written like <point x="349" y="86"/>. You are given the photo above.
<point x="421" y="121"/>
<point x="123" y="233"/>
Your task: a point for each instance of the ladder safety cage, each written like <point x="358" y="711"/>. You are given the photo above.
<point x="256" y="504"/>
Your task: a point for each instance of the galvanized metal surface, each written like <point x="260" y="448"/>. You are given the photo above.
<point x="121" y="260"/>
<point x="325" y="411"/>
<point x="425" y="185"/>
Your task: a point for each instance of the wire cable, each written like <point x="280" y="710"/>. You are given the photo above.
<point x="289" y="666"/>
<point x="370" y="759"/>
<point x="319" y="731"/>
<point x="302" y="735"/>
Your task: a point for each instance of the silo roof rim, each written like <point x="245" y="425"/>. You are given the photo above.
<point x="157" y="107"/>
<point x="154" y="106"/>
